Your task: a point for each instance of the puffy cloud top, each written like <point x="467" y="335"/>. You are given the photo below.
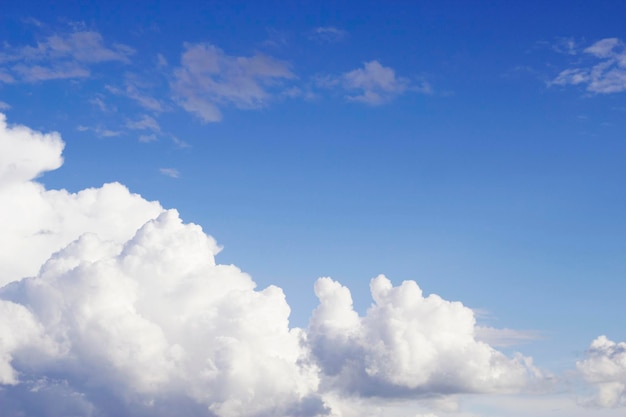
<point x="406" y="344"/>
<point x="605" y="367"/>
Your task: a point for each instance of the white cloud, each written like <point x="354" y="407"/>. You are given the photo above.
<point x="99" y="131"/>
<point x="377" y="84"/>
<point x="209" y="79"/>
<point x="374" y="84"/>
<point x="36" y="222"/>
<point x="608" y="75"/>
<point x="328" y="34"/>
<point x="170" y="172"/>
<point x="126" y="312"/>
<point x="407" y="344"/>
<point x="144" y="123"/>
<point x="4" y="105"/>
<point x="604" y="367"/>
<point x="5" y="77"/>
<point x="132" y="92"/>
<point x="62" y="56"/>
<point x="147" y="138"/>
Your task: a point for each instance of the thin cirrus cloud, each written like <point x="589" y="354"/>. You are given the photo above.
<point x="133" y="92"/>
<point x="170" y="172"/>
<point x="209" y="79"/>
<point x="60" y="57"/>
<point x="126" y="312"/>
<point x="606" y="75"/>
<point x="328" y="34"/>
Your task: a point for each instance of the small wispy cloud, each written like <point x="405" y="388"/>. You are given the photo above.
<point x="170" y="172"/>
<point x="4" y="106"/>
<point x="132" y="92"/>
<point x="144" y="123"/>
<point x="372" y="84"/>
<point x="328" y="34"/>
<point x="62" y="56"/>
<point x="100" y="103"/>
<point x="147" y="138"/>
<point x="99" y="131"/>
<point x="567" y="46"/>
<point x="5" y="77"/>
<point x="608" y="73"/>
<point x="209" y="79"/>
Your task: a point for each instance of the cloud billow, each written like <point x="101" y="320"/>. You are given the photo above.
<point x="604" y="367"/>
<point x="111" y="305"/>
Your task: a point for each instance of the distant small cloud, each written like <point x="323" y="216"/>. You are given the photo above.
<point x="6" y="78"/>
<point x="567" y="46"/>
<point x="99" y="103"/>
<point x="373" y="84"/>
<point x="276" y="38"/>
<point x="132" y="92"/>
<point x="144" y="123"/>
<point x="161" y="61"/>
<point x="147" y="138"/>
<point x="209" y="79"/>
<point x="99" y="131"/>
<point x="4" y="106"/>
<point x="607" y="75"/>
<point x="62" y="56"/>
<point x="170" y="172"/>
<point x="328" y="34"/>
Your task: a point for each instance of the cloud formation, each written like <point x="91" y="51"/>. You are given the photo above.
<point x="36" y="222"/>
<point x="608" y="73"/>
<point x="328" y="34"/>
<point x="604" y="367"/>
<point x="111" y="305"/>
<point x="373" y="84"/>
<point x="208" y="79"/>
<point x="406" y="344"/>
<point x="170" y="172"/>
<point x="60" y="57"/>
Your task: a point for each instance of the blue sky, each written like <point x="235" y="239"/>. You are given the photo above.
<point x="474" y="147"/>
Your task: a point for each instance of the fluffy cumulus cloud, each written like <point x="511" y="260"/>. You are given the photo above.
<point x="606" y="74"/>
<point x="110" y="305"/>
<point x="406" y="344"/>
<point x="60" y="56"/>
<point x="208" y="79"/>
<point x="36" y="222"/>
<point x="605" y="368"/>
<point x="125" y="310"/>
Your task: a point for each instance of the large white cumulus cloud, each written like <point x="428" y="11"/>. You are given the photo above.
<point x="111" y="305"/>
<point x="36" y="222"/>
<point x="406" y="344"/>
<point x="605" y="368"/>
<point x="158" y="318"/>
